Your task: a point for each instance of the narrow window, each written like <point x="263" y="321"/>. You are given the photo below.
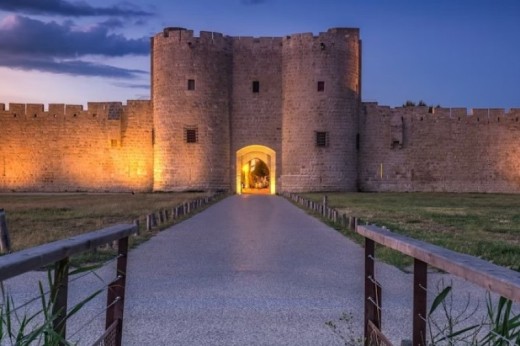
<point x="256" y="86"/>
<point x="322" y="139"/>
<point x="321" y="86"/>
<point x="191" y="135"/>
<point x="114" y="143"/>
<point x="191" y="84"/>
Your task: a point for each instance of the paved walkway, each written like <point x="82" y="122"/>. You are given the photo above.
<point x="250" y="270"/>
<point x="256" y="270"/>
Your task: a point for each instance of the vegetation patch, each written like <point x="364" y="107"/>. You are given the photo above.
<point x="35" y="219"/>
<point x="482" y="225"/>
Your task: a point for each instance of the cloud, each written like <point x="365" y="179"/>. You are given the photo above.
<point x="132" y="85"/>
<point x="70" y="67"/>
<point x="30" y="44"/>
<point x="253" y="2"/>
<point x="70" y="8"/>
<point x="23" y="35"/>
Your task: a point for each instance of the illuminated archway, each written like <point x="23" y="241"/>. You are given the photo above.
<point x="246" y="155"/>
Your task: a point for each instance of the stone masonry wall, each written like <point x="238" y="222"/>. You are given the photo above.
<point x="107" y="147"/>
<point x="177" y="57"/>
<point x="256" y="118"/>
<point x="413" y="149"/>
<point x="334" y="59"/>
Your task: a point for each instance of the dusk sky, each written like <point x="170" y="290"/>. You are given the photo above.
<point x="453" y="53"/>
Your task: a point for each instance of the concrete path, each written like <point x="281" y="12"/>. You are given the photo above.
<point x="256" y="270"/>
<point x="250" y="270"/>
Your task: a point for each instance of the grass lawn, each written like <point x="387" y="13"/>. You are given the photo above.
<point x="35" y="219"/>
<point x="484" y="225"/>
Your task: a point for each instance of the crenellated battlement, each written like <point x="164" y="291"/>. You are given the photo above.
<point x="182" y="36"/>
<point x="423" y="113"/>
<point x="94" y="110"/>
<point x="250" y="42"/>
<point x="186" y="38"/>
<point x="323" y="40"/>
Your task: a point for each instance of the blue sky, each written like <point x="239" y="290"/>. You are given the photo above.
<point x="456" y="53"/>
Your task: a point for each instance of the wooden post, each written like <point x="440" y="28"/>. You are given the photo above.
<point x="116" y="293"/>
<point x="352" y="223"/>
<point x="138" y="225"/>
<point x="161" y="216"/>
<point x="372" y="293"/>
<point x="344" y="221"/>
<point x="149" y="223"/>
<point x="5" y="240"/>
<point x="59" y="293"/>
<point x="420" y="279"/>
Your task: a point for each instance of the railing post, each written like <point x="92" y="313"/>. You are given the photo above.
<point x="151" y="221"/>
<point x="161" y="217"/>
<point x="372" y="293"/>
<point x="5" y="241"/>
<point x="420" y="279"/>
<point x="352" y="223"/>
<point x="59" y="293"/>
<point x="137" y="224"/>
<point x="116" y="293"/>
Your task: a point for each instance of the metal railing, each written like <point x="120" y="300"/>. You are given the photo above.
<point x="493" y="278"/>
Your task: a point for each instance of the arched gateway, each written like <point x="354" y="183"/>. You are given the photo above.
<point x="256" y="170"/>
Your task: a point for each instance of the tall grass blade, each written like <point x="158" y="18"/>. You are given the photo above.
<point x="439" y="299"/>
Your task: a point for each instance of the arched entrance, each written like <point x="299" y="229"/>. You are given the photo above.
<point x="256" y="170"/>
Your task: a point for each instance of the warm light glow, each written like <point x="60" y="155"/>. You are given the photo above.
<point x="31" y="166"/>
<point x="246" y="160"/>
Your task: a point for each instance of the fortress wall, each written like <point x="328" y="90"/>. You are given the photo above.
<point x="256" y="118"/>
<point x="179" y="56"/>
<point x="68" y="148"/>
<point x="332" y="58"/>
<point x="456" y="150"/>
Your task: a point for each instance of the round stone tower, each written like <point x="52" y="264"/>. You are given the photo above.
<point x="321" y="100"/>
<point x="191" y="85"/>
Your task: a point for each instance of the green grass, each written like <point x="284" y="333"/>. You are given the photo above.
<point x="483" y="225"/>
<point x="35" y="219"/>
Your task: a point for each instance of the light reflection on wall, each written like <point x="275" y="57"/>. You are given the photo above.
<point x="83" y="151"/>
